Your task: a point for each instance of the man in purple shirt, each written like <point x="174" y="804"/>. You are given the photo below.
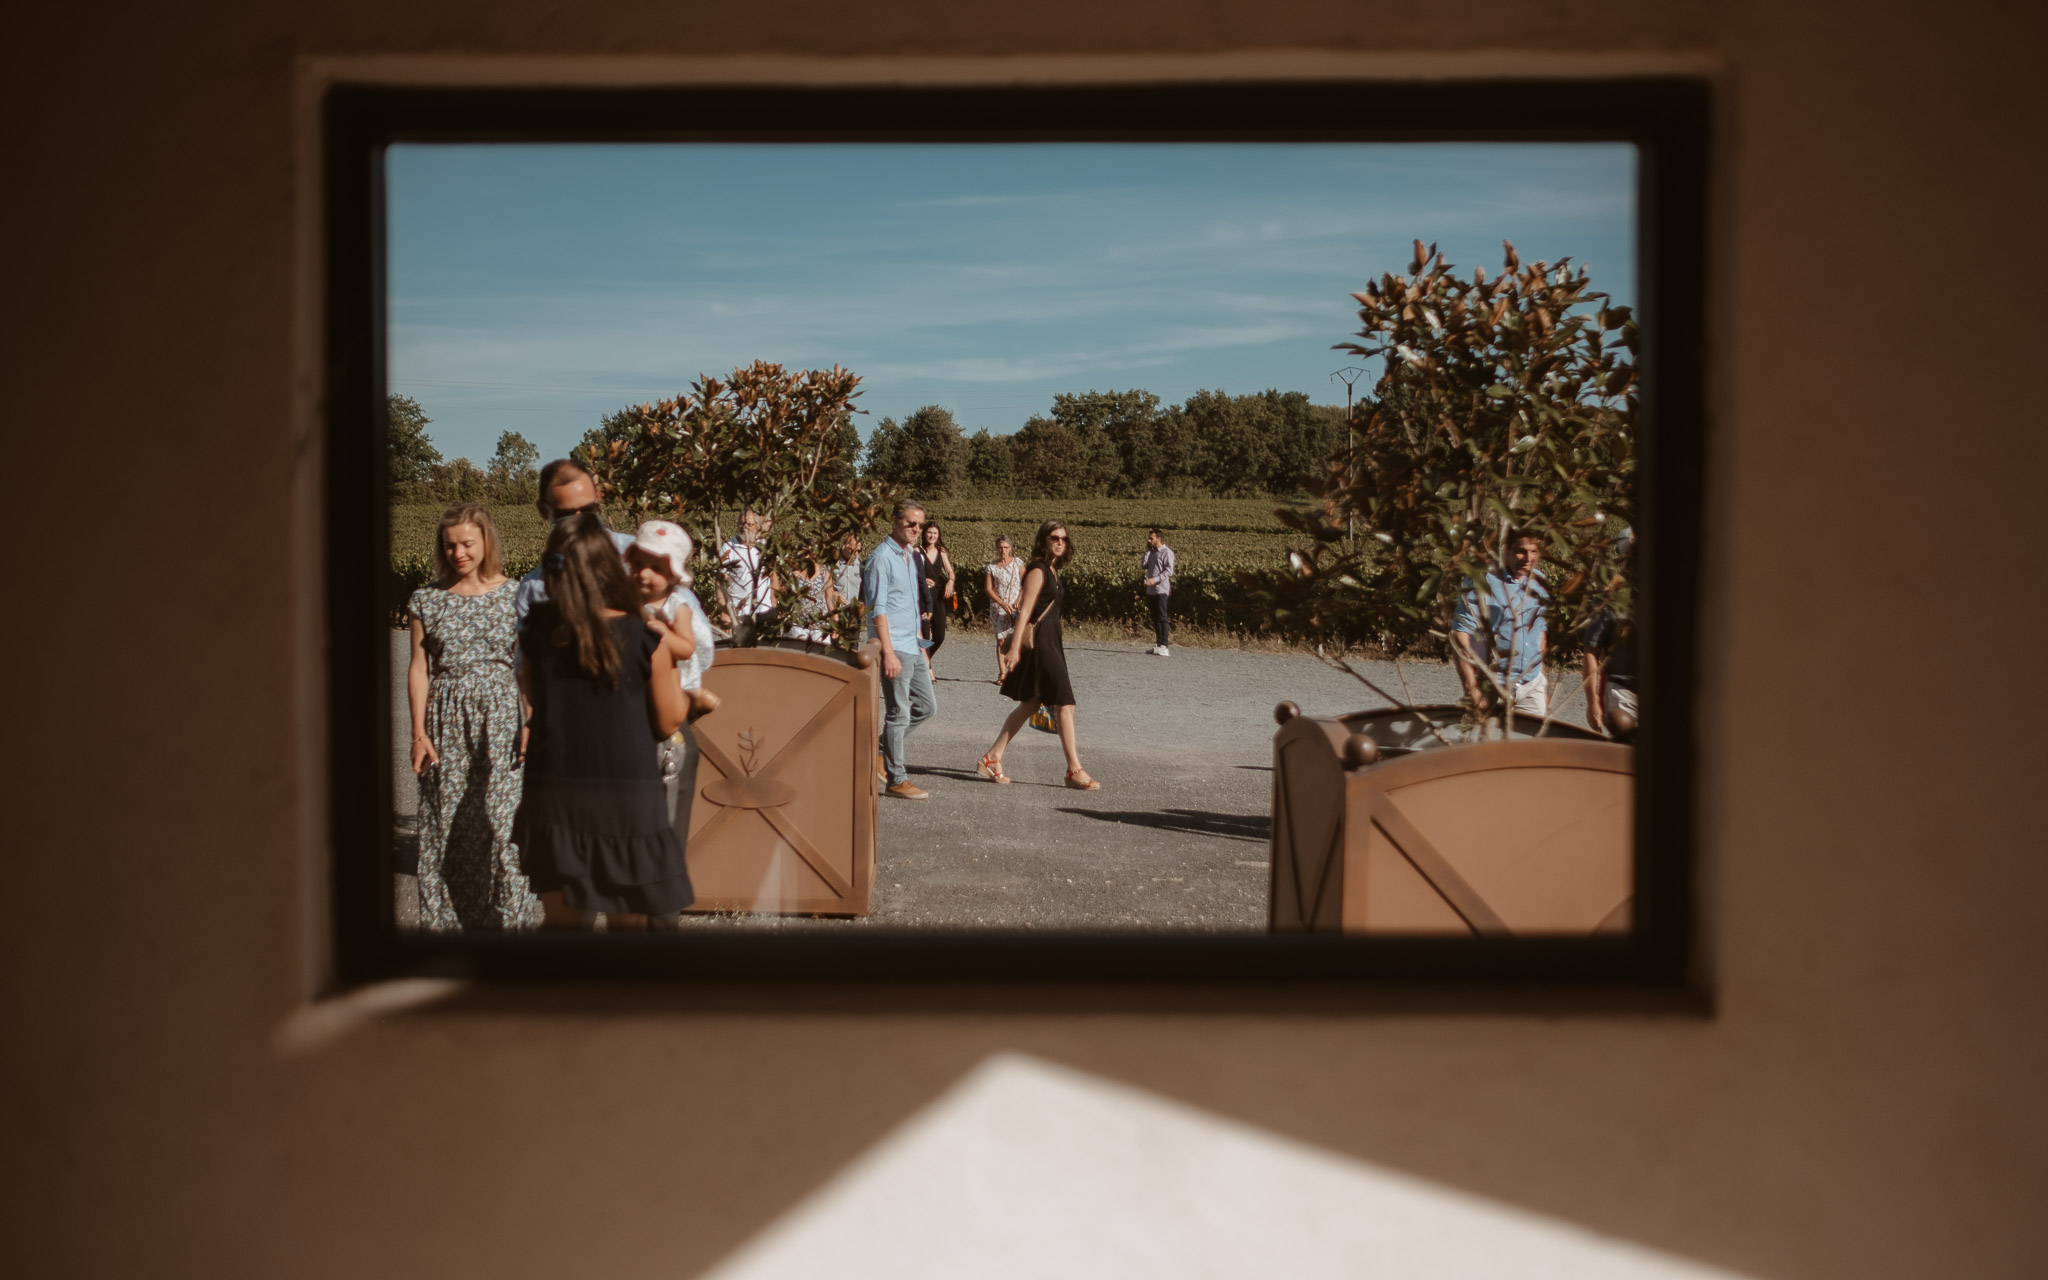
<point x="1158" y="569"/>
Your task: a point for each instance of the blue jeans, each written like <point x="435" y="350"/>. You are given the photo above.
<point x="907" y="701"/>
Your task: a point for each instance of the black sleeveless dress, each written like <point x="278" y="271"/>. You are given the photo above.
<point x="1041" y="672"/>
<point x="933" y="580"/>
<point x="593" y="818"/>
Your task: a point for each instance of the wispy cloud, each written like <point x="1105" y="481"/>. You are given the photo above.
<point x="524" y="293"/>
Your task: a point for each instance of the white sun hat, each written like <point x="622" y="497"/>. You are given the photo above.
<point x="666" y="540"/>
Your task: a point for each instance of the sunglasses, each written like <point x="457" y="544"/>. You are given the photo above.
<point x="563" y="513"/>
<point x="913" y="524"/>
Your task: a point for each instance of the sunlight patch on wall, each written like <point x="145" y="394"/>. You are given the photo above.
<point x="1026" y="1169"/>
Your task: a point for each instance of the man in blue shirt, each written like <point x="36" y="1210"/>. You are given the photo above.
<point x="889" y="588"/>
<point x="1500" y="626"/>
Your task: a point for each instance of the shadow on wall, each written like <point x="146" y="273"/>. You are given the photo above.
<point x="1026" y="1169"/>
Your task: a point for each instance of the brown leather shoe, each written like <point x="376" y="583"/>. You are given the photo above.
<point x="909" y="791"/>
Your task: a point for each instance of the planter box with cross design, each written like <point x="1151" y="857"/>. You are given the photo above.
<point x="1378" y="827"/>
<point x="783" y="820"/>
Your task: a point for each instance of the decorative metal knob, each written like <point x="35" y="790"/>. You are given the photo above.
<point x="1360" y="751"/>
<point x="1284" y="712"/>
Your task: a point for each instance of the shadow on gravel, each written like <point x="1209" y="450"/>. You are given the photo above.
<point x="1230" y="826"/>
<point x="969" y="775"/>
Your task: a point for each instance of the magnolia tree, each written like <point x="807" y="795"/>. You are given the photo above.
<point x="1505" y="404"/>
<point x="766" y="439"/>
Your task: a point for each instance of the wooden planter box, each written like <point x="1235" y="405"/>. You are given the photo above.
<point x="1379" y="829"/>
<point x="783" y="820"/>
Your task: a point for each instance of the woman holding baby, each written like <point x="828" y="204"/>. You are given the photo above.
<point x="594" y="828"/>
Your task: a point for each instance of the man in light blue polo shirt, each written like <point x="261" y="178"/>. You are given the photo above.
<point x="889" y="589"/>
<point x="1505" y="632"/>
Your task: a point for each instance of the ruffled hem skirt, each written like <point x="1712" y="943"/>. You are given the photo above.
<point x="605" y="844"/>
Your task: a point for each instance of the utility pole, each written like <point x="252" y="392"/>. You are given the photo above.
<point x="1349" y="374"/>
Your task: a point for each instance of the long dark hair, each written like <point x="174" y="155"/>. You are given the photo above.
<point x="585" y="575"/>
<point x="1040" y="544"/>
<point x="927" y="532"/>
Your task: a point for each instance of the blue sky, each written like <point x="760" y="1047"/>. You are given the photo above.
<point x="538" y="288"/>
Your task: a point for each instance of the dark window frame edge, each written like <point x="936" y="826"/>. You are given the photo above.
<point x="1667" y="117"/>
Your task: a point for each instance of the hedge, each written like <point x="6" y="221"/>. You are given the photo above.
<point x="1207" y="599"/>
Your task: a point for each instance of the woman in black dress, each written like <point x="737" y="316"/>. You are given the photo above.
<point x="593" y="826"/>
<point x="1035" y="659"/>
<point x="937" y="595"/>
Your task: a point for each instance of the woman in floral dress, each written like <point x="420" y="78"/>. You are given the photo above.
<point x="1005" y="583"/>
<point x="465" y="733"/>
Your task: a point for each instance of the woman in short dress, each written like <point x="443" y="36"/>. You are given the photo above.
<point x="1037" y="659"/>
<point x="938" y="586"/>
<point x="593" y="828"/>
<point x="1004" y="581"/>
<point x="465" y="733"/>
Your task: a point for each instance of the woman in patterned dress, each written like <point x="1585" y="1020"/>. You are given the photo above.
<point x="1005" y="582"/>
<point x="813" y="603"/>
<point x="465" y="733"/>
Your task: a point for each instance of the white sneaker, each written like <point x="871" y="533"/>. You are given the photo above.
<point x="1162" y="652"/>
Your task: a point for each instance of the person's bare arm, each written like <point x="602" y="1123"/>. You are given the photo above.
<point x="1467" y="663"/>
<point x="416" y="682"/>
<point x="681" y="645"/>
<point x="1596" y="692"/>
<point x="892" y="666"/>
<point x="667" y="707"/>
<point x="1020" y="638"/>
<point x="522" y="674"/>
<point x="952" y="575"/>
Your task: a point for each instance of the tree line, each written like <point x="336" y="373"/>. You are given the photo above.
<point x="1094" y="444"/>
<point x="1116" y="444"/>
<point x="420" y="474"/>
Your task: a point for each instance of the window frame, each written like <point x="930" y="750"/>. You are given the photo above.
<point x="1667" y="118"/>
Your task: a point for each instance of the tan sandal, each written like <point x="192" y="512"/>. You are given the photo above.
<point x="992" y="769"/>
<point x="1087" y="783"/>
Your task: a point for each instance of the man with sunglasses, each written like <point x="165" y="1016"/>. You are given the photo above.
<point x="565" y="490"/>
<point x="889" y="588"/>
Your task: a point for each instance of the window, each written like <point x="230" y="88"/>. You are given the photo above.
<point x="1418" y="842"/>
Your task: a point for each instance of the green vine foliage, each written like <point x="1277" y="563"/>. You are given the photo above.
<point x="1505" y="403"/>
<point x="767" y="438"/>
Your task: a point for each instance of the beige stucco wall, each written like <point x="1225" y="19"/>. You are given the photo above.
<point x="1866" y="1100"/>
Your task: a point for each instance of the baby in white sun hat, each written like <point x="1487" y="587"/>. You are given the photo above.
<point x="658" y="560"/>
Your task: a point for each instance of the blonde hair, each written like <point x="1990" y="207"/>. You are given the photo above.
<point x="463" y="513"/>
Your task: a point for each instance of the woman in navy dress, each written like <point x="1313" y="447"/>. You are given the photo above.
<point x="593" y="827"/>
